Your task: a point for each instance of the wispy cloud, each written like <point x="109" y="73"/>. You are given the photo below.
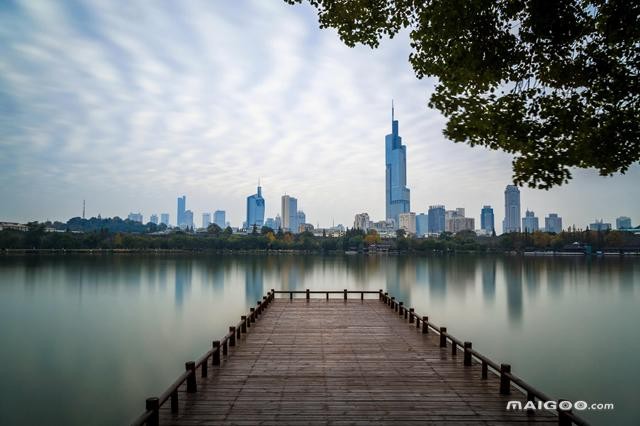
<point x="132" y="106"/>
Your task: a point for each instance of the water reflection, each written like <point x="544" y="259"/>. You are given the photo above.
<point x="154" y="312"/>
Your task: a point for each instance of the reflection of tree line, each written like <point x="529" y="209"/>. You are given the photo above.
<point x="440" y="274"/>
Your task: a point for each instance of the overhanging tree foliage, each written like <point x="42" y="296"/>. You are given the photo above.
<point x="555" y="83"/>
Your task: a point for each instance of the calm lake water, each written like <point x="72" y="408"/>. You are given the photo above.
<point x="85" y="339"/>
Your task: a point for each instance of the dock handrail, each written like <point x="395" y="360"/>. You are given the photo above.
<point x="503" y="371"/>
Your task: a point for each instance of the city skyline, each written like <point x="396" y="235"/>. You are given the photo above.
<point x="180" y="114"/>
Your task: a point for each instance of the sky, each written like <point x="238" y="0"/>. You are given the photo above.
<point x="129" y="105"/>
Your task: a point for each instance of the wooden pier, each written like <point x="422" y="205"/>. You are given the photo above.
<point x="345" y="360"/>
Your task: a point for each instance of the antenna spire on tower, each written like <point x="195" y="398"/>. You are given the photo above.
<point x="391" y="109"/>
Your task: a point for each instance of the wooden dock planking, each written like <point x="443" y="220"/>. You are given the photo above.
<point x="343" y="362"/>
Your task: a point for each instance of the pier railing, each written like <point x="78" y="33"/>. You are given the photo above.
<point x="151" y="415"/>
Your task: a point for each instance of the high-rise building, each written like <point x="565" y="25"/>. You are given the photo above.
<point x="623" y="222"/>
<point x="289" y="214"/>
<point x="135" y="217"/>
<point x="154" y="219"/>
<point x="187" y="219"/>
<point x="302" y="220"/>
<point x="270" y="223"/>
<point x="220" y="219"/>
<point x="362" y="221"/>
<point x="530" y="222"/>
<point x="455" y="221"/>
<point x="397" y="194"/>
<point x="436" y="219"/>
<point x="278" y="222"/>
<point x="599" y="225"/>
<point x="407" y="221"/>
<point x="553" y="223"/>
<point x="164" y="218"/>
<point x="422" y="224"/>
<point x="182" y="206"/>
<point x="206" y="220"/>
<point x="487" y="220"/>
<point x="511" y="222"/>
<point x="255" y="210"/>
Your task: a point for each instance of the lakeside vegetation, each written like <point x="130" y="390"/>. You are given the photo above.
<point x="215" y="238"/>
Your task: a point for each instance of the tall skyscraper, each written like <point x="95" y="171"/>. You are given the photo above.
<point x="397" y="194"/>
<point x="278" y="222"/>
<point x="553" y="223"/>
<point x="135" y="217"/>
<point x="436" y="219"/>
<point x="164" y="218"/>
<point x="529" y="222"/>
<point x="255" y="210"/>
<point x="206" y="220"/>
<point x="154" y="219"/>
<point x="623" y="222"/>
<point x="600" y="225"/>
<point x="487" y="220"/>
<point x="422" y="224"/>
<point x="220" y="219"/>
<point x="407" y="221"/>
<point x="302" y="220"/>
<point x="187" y="219"/>
<point x="289" y="214"/>
<point x="361" y="221"/>
<point x="511" y="222"/>
<point x="182" y="206"/>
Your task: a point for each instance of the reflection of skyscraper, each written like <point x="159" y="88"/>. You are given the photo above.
<point x="183" y="280"/>
<point x="511" y="222"/>
<point x="488" y="279"/>
<point x="513" y="281"/>
<point x="397" y="194"/>
<point x="255" y="210"/>
<point x="253" y="281"/>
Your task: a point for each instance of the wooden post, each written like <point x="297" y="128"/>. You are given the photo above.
<point x="417" y="320"/>
<point x="258" y="308"/>
<point x="174" y="401"/>
<point x="454" y="348"/>
<point x="394" y="306"/>
<point x="467" y="354"/>
<point x="265" y="304"/>
<point x="362" y="295"/>
<point x="345" y="294"/>
<point x="273" y="294"/>
<point x="252" y="314"/>
<point x="238" y="334"/>
<point x="216" y="353"/>
<point x="307" y="294"/>
<point x="505" y="383"/>
<point x="411" y="311"/>
<point x="380" y="294"/>
<point x="443" y="337"/>
<point x="425" y="325"/>
<point x="400" y="308"/>
<point x="386" y="298"/>
<point x="563" y="416"/>
<point x="204" y="368"/>
<point x="485" y="370"/>
<point x="232" y="336"/>
<point x="327" y="295"/>
<point x="243" y="318"/>
<point x="290" y="295"/>
<point x="153" y="405"/>
<point x="225" y="347"/>
<point x="192" y="387"/>
<point x="406" y="313"/>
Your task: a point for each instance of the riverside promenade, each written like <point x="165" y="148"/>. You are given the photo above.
<point x="350" y="359"/>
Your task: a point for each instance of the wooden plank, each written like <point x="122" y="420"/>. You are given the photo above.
<point x="343" y="362"/>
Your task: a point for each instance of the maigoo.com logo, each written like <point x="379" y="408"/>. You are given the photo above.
<point x="558" y="405"/>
